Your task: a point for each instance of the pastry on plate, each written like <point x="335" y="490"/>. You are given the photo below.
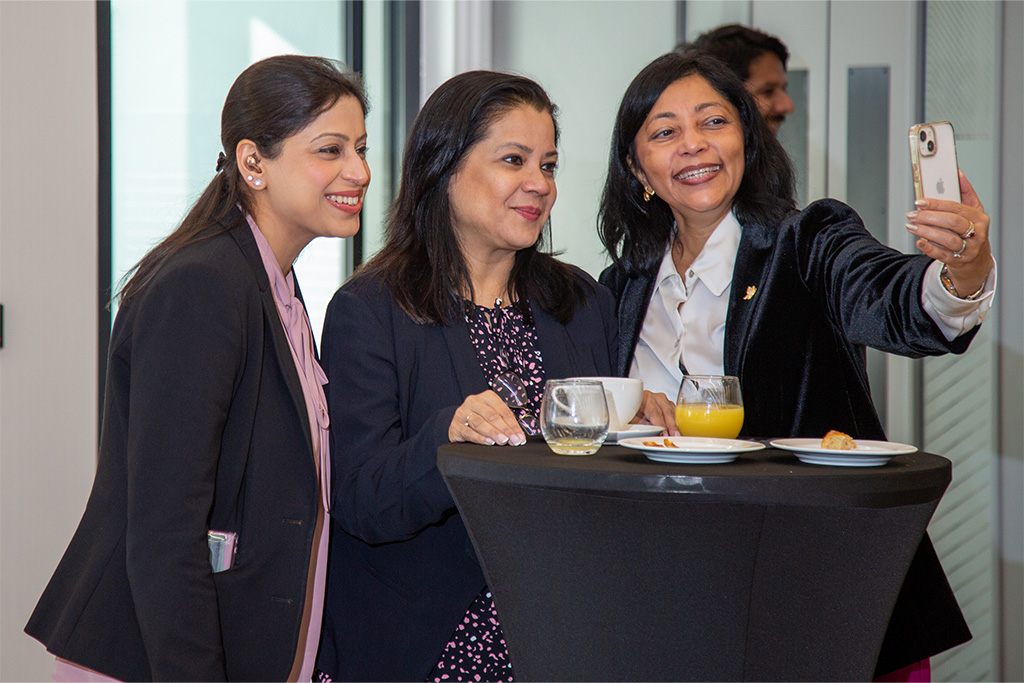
<point x="837" y="441"/>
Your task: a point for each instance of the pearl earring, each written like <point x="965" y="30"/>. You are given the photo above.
<point x="249" y="178"/>
<point x="257" y="182"/>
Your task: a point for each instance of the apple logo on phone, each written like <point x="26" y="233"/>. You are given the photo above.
<point x="940" y="187"/>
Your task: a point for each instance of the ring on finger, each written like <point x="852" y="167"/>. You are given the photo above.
<point x="466" y="421"/>
<point x="969" y="234"/>
<point x="959" y="254"/>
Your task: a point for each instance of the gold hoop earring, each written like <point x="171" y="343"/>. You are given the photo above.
<point x="648" y="194"/>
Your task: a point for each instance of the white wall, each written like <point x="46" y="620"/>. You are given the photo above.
<point x="48" y="256"/>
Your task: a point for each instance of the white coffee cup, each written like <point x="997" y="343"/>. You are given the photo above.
<point x="624" y="395"/>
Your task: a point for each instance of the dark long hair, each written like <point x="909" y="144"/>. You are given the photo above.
<point x="637" y="233"/>
<point x="421" y="262"/>
<point x="269" y="102"/>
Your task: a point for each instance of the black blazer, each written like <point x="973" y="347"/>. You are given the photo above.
<point x="821" y="288"/>
<point x="403" y="571"/>
<point x="204" y="426"/>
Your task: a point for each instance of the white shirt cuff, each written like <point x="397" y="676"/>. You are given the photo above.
<point x="953" y="315"/>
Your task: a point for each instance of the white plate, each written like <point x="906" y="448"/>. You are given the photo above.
<point x="867" y="454"/>
<point x="634" y="430"/>
<point x="692" y="449"/>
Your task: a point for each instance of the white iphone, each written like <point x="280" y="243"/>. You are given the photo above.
<point x="933" y="161"/>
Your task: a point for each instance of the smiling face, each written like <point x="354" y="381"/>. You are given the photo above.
<point x="502" y="193"/>
<point x="315" y="186"/>
<point x="767" y="82"/>
<point x="690" y="152"/>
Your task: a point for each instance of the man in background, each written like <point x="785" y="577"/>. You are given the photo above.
<point x="759" y="60"/>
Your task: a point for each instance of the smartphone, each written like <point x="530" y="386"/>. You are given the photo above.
<point x="223" y="545"/>
<point x="933" y="161"/>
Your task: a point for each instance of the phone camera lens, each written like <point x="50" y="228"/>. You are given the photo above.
<point x="923" y="135"/>
<point x="931" y="146"/>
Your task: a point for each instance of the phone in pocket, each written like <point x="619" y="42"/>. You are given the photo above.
<point x="933" y="161"/>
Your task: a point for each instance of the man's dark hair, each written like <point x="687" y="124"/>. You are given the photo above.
<point x="738" y="46"/>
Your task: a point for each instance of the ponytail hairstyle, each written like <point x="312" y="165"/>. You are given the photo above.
<point x="269" y="102"/>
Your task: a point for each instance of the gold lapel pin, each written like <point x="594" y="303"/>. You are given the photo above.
<point x="751" y="291"/>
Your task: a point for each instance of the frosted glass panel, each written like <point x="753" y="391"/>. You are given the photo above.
<point x="959" y="404"/>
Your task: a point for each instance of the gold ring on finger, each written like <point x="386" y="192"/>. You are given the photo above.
<point x="959" y="254"/>
<point x="969" y="234"/>
<point x="466" y="421"/>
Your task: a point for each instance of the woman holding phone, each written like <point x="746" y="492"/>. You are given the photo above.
<point x="202" y="551"/>
<point x="715" y="271"/>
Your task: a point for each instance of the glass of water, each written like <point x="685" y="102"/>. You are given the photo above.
<point x="574" y="416"/>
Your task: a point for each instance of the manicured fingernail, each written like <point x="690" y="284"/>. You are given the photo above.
<point x="489" y="441"/>
<point x="911" y="227"/>
<point x="921" y="203"/>
<point x="502" y="439"/>
<point x="911" y="214"/>
<point x="517" y="440"/>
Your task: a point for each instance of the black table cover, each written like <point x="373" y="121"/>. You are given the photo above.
<point x="612" y="567"/>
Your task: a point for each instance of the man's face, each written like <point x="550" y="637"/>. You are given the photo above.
<point x="767" y="83"/>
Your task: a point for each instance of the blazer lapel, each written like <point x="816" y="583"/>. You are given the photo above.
<point x="632" y="310"/>
<point x="557" y="348"/>
<point x="468" y="374"/>
<point x="279" y="339"/>
<point x="748" y="276"/>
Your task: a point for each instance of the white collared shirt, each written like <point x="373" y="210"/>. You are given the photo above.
<point x="694" y="334"/>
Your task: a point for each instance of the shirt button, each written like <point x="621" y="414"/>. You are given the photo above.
<point x="690" y="274"/>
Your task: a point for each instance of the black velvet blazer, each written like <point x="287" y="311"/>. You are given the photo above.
<point x="402" y="570"/>
<point x="807" y="297"/>
<point x="204" y="426"/>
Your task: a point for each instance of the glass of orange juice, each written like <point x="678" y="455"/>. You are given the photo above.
<point x="710" y="405"/>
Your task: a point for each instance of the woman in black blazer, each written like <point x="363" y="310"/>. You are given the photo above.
<point x="214" y="419"/>
<point x="462" y="292"/>
<point x="699" y="185"/>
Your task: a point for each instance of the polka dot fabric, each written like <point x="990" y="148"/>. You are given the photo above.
<point x="477" y="649"/>
<point x="504" y="342"/>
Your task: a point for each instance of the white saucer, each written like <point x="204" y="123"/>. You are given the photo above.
<point x="867" y="454"/>
<point x="692" y="449"/>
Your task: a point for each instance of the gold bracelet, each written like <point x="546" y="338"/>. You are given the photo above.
<point x="951" y="288"/>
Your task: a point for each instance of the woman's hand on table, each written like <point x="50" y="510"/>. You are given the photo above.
<point x="957" y="235"/>
<point x="485" y="419"/>
<point x="656" y="409"/>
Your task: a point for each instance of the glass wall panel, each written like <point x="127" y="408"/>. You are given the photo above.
<point x="961" y="85"/>
<point x="584" y="54"/>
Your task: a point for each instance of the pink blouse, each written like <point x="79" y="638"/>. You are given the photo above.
<point x="300" y="339"/>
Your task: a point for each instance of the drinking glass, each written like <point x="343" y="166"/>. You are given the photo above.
<point x="574" y="416"/>
<point x="710" y="405"/>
